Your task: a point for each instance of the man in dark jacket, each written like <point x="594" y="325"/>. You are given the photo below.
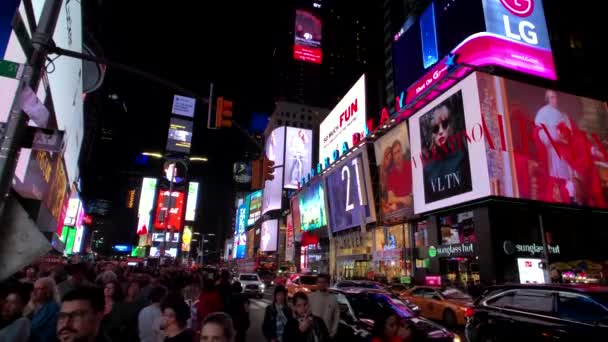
<point x="304" y="327"/>
<point x="276" y="316"/>
<point x="239" y="311"/>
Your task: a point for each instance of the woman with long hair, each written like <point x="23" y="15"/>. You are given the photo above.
<point x="112" y="292"/>
<point x="276" y="316"/>
<point x="386" y="327"/>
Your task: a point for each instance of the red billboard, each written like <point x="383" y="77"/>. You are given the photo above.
<point x="307" y="42"/>
<point x="169" y="210"/>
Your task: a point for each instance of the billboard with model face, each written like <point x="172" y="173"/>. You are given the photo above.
<point x="493" y="136"/>
<point x="349" y="194"/>
<point x="313" y="214"/>
<point x="273" y="189"/>
<point x="298" y="156"/>
<point x="393" y="157"/>
<point x="307" y="42"/>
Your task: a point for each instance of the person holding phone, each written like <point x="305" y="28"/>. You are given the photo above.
<point x="304" y="326"/>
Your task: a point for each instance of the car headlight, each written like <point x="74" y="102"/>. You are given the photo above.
<point x="457" y="338"/>
<point x="262" y="286"/>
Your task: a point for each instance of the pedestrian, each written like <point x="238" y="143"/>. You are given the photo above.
<point x="304" y="326"/>
<point x="239" y="311"/>
<point x="149" y="317"/>
<point x="386" y="327"/>
<point x="224" y="288"/>
<point x="76" y="278"/>
<point x="191" y="293"/>
<point x="174" y="319"/>
<point x="43" y="309"/>
<point x="217" y="327"/>
<point x="80" y="316"/>
<point x="209" y="300"/>
<point x="112" y="294"/>
<point x="14" y="327"/>
<point x="325" y="305"/>
<point x="276" y="316"/>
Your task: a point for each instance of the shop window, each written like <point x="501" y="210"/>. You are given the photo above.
<point x="578" y="308"/>
<point x="457" y="228"/>
<point x="421" y="235"/>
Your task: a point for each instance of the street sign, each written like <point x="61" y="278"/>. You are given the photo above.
<point x="183" y="105"/>
<point x="11" y="69"/>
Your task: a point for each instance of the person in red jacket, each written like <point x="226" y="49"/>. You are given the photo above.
<point x="209" y="300"/>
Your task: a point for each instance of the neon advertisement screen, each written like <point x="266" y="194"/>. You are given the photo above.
<point x="191" y="203"/>
<point x="298" y="156"/>
<point x="393" y="156"/>
<point x="349" y="195"/>
<point x="268" y="238"/>
<point x="146" y="205"/>
<point x="180" y="136"/>
<point x="273" y="189"/>
<point x="240" y="234"/>
<point x="255" y="207"/>
<point x="169" y="209"/>
<point x="313" y="214"/>
<point x="307" y="40"/>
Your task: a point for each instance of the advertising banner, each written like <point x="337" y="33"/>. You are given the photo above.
<point x="393" y="157"/>
<point x="192" y="204"/>
<point x="346" y="119"/>
<point x="72" y="212"/>
<point x="55" y="198"/>
<point x="441" y="152"/>
<point x="180" y="136"/>
<point x="169" y="210"/>
<point x="298" y="156"/>
<point x="268" y="240"/>
<point x="313" y="214"/>
<point x="242" y="172"/>
<point x="493" y="136"/>
<point x="308" y="34"/>
<point x="273" y="189"/>
<point x="255" y="207"/>
<point x="349" y="196"/>
<point x="186" y="239"/>
<point x="241" y="224"/>
<point x="289" y="238"/>
<point x="146" y="205"/>
<point x="158" y="237"/>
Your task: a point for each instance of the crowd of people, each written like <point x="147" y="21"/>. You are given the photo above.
<point x="83" y="302"/>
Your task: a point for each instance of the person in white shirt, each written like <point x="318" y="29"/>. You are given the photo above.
<point x="149" y="317"/>
<point x="325" y="305"/>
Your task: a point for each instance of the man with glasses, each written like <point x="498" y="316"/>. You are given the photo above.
<point x="80" y="316"/>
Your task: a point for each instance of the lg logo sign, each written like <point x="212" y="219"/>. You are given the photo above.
<point x="521" y="29"/>
<point x="521" y="8"/>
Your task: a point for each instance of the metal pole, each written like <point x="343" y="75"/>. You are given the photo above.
<point x="210" y="110"/>
<point x="17" y="120"/>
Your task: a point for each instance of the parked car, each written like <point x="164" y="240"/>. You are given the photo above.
<point x="443" y="304"/>
<point x="359" y="307"/>
<point x="252" y="284"/>
<point x="301" y="282"/>
<point x="540" y="313"/>
<point x="413" y="307"/>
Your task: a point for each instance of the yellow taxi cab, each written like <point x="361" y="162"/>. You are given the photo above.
<point x="443" y="304"/>
<point x="306" y="283"/>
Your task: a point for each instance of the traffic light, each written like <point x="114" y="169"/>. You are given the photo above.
<point x="261" y="170"/>
<point x="223" y="113"/>
<point x="268" y="169"/>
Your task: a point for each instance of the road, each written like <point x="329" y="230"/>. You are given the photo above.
<point x="256" y="314"/>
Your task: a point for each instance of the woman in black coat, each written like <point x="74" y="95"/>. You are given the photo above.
<point x="276" y="316"/>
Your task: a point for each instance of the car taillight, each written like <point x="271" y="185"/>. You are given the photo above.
<point x="469" y="312"/>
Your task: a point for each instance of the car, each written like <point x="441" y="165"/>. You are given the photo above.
<point x="397" y="289"/>
<point x="442" y="304"/>
<point x="343" y="284"/>
<point x="252" y="284"/>
<point x="413" y="307"/>
<point x="359" y="307"/>
<point x="301" y="283"/>
<point x="556" y="312"/>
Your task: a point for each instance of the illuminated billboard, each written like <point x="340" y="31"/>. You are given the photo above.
<point x="158" y="237"/>
<point x="493" y="136"/>
<point x="268" y="239"/>
<point x="349" y="194"/>
<point x="298" y="156"/>
<point x="146" y="205"/>
<point x="313" y="214"/>
<point x="169" y="209"/>
<point x="510" y="34"/>
<point x="346" y="119"/>
<point x="191" y="203"/>
<point x="307" y="41"/>
<point x="289" y="238"/>
<point x="255" y="207"/>
<point x="240" y="234"/>
<point x="180" y="136"/>
<point x="393" y="157"/>
<point x="273" y="189"/>
<point x="72" y="212"/>
<point x="186" y="238"/>
<point x="155" y="252"/>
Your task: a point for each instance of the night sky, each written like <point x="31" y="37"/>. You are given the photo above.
<point x="190" y="43"/>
